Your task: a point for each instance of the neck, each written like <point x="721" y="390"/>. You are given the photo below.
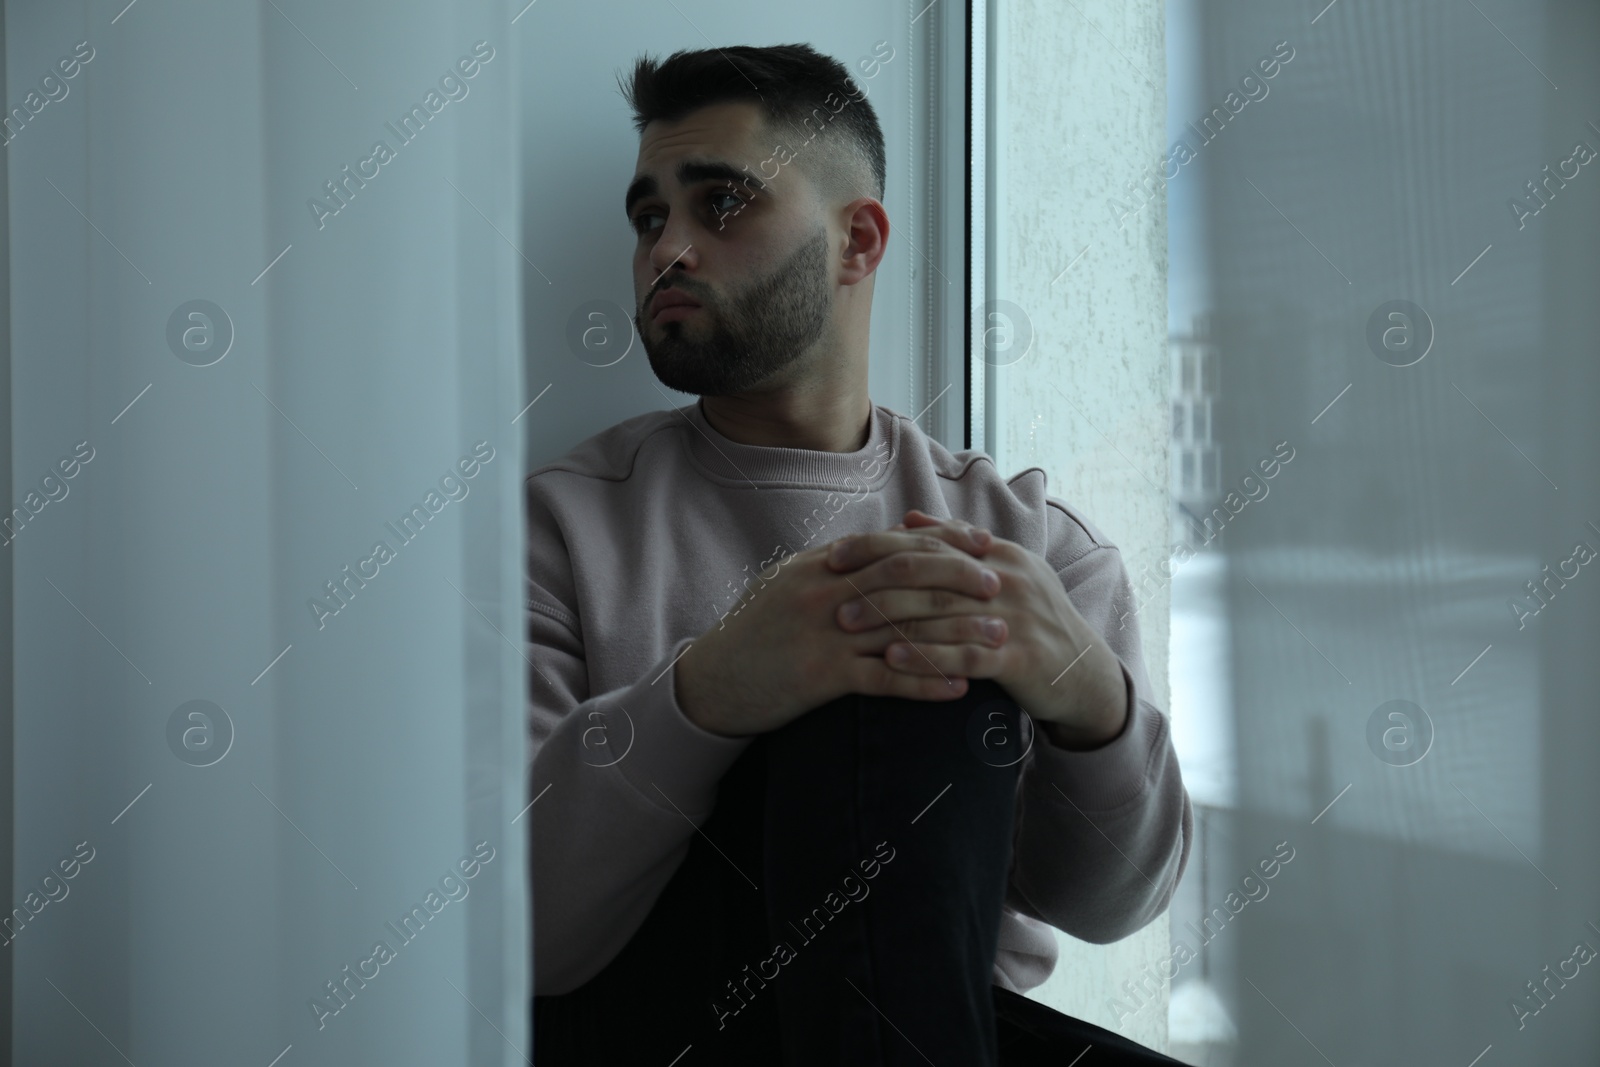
<point x="823" y="421"/>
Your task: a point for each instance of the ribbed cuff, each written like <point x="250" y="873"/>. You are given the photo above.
<point x="1105" y="778"/>
<point x="673" y="763"/>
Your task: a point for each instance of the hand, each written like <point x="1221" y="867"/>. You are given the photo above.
<point x="1050" y="661"/>
<point x="782" y="653"/>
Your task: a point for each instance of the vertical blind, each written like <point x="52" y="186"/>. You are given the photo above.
<point x="1383" y="222"/>
<point x="264" y="534"/>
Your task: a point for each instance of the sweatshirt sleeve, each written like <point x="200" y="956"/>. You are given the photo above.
<point x="618" y="783"/>
<point x="1103" y="835"/>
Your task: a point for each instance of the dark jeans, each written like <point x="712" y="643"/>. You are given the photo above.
<point x="839" y="908"/>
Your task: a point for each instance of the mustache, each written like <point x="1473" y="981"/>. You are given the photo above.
<point x="690" y="293"/>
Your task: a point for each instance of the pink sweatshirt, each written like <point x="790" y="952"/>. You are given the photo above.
<point x="640" y="539"/>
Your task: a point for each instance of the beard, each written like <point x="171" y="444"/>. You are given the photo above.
<point x="734" y="346"/>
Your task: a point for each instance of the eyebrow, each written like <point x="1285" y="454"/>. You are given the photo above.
<point x="689" y="172"/>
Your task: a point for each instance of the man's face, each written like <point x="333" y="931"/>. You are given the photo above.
<point x="755" y="257"/>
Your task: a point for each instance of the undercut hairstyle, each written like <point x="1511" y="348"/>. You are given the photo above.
<point x="838" y="146"/>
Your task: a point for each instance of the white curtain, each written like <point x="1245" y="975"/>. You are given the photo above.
<point x="247" y="347"/>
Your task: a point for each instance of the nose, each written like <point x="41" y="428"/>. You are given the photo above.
<point x="675" y="242"/>
<point x="670" y="252"/>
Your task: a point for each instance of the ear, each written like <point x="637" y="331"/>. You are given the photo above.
<point x="868" y="228"/>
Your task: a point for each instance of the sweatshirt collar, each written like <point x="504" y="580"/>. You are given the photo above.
<point x="728" y="462"/>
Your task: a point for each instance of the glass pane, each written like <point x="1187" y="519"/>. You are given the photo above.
<point x="1383" y="676"/>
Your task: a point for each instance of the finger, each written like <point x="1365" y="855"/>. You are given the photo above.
<point x="872" y="677"/>
<point x="933" y="584"/>
<point x="942" y="660"/>
<point x="967" y="541"/>
<point x="978" y="537"/>
<point x="902" y="607"/>
<point x="944" y="630"/>
<point x="855" y="551"/>
<point x="964" y="536"/>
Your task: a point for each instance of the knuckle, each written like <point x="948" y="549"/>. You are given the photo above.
<point x="976" y="574"/>
<point x="900" y="565"/>
<point x="930" y="543"/>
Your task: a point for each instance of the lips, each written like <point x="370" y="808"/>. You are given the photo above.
<point x="670" y="298"/>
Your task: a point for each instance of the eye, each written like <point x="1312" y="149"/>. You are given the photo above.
<point x="730" y="196"/>
<point x="731" y="211"/>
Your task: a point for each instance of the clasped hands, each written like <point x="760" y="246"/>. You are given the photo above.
<point x="1047" y="657"/>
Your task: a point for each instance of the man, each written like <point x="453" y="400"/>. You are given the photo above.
<point x="760" y="835"/>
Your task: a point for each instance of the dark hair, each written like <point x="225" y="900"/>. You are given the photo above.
<point x="791" y="83"/>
